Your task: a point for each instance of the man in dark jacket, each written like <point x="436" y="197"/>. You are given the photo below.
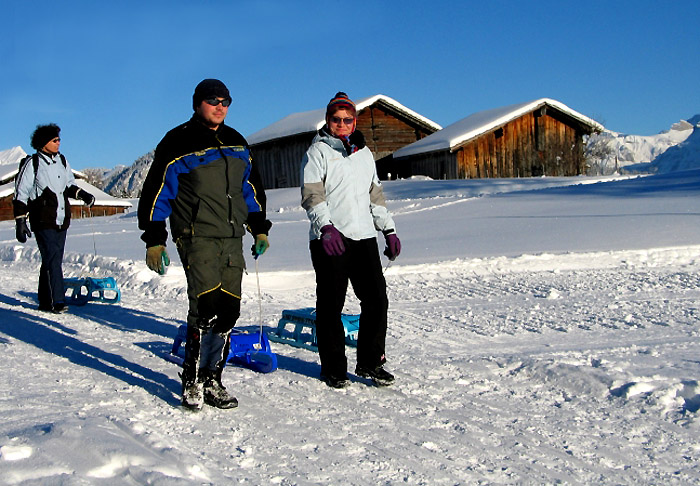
<point x="202" y="179"/>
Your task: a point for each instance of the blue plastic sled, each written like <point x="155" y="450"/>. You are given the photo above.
<point x="297" y="327"/>
<point x="251" y="350"/>
<point x="79" y="291"/>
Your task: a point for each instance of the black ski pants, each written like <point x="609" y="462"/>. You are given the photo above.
<point x="361" y="266"/>
<point x="51" y="243"/>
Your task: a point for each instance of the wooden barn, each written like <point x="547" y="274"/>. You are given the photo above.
<point x="105" y="205"/>
<point x="386" y="124"/>
<point x="541" y="137"/>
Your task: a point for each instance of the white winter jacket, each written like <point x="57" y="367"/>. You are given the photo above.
<point x="343" y="190"/>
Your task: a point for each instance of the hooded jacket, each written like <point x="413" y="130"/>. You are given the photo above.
<point x="205" y="182"/>
<point x="343" y="189"/>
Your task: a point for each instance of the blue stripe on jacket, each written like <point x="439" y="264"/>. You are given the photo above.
<point x="187" y="163"/>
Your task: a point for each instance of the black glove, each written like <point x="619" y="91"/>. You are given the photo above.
<point x="87" y="198"/>
<point x="22" y="232"/>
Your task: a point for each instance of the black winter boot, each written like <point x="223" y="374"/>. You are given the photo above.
<point x="192" y="395"/>
<point x="192" y="389"/>
<point x="378" y="375"/>
<point x="215" y="394"/>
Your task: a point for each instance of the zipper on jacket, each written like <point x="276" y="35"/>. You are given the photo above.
<point x="228" y="185"/>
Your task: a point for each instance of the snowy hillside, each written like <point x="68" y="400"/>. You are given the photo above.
<point x="542" y="331"/>
<point x="638" y="154"/>
<point x="684" y="156"/>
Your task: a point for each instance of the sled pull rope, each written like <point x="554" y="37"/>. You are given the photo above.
<point x="387" y="266"/>
<point x="92" y="228"/>
<point x="257" y="278"/>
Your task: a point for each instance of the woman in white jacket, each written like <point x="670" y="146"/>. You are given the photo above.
<point x="344" y="201"/>
<point x="42" y="188"/>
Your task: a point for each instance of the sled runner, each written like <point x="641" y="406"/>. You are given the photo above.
<point x="249" y="349"/>
<point x="79" y="291"/>
<point x="297" y="327"/>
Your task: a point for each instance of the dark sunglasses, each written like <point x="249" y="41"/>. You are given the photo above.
<point x="336" y="120"/>
<point x="56" y="140"/>
<point x="216" y="101"/>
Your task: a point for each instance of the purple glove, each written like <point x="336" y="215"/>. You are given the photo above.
<point x="393" y="246"/>
<point x="332" y="241"/>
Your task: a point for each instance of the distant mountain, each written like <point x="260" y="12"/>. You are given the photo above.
<point x="128" y="181"/>
<point x="684" y="156"/>
<point x="668" y="151"/>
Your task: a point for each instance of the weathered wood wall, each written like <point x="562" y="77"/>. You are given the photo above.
<point x="437" y="165"/>
<point x="385" y="132"/>
<point x="279" y="161"/>
<point x="539" y="143"/>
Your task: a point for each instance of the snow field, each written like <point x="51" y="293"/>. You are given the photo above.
<point x="570" y="366"/>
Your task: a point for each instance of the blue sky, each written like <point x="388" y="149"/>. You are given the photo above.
<point x="117" y="75"/>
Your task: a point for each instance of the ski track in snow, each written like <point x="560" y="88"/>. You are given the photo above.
<point x="574" y="368"/>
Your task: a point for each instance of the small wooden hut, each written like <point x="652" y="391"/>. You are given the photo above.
<point x="386" y="124"/>
<point x="541" y="137"/>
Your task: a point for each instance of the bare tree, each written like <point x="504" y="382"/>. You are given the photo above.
<point x="600" y="155"/>
<point x="95" y="177"/>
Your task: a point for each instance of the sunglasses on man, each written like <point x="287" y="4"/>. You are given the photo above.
<point x="336" y="120"/>
<point x="216" y="101"/>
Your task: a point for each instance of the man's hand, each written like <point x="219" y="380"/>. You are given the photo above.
<point x="261" y="245"/>
<point x="157" y="258"/>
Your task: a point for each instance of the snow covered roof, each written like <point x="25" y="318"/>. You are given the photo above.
<point x="310" y="121"/>
<point x="482" y="122"/>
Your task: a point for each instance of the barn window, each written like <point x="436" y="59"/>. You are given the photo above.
<point x="498" y="133"/>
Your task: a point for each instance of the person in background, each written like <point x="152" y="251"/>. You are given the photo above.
<point x="344" y="201"/>
<point x="42" y="188"/>
<point x="204" y="181"/>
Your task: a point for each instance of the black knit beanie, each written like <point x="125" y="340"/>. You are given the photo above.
<point x="44" y="134"/>
<point x="209" y="88"/>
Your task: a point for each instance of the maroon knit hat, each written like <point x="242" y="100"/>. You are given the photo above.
<point x="340" y="101"/>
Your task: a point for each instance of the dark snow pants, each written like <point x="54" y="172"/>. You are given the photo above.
<point x="214" y="269"/>
<point x="361" y="266"/>
<point x="51" y="243"/>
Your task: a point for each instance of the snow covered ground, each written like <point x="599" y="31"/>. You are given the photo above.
<point x="542" y="331"/>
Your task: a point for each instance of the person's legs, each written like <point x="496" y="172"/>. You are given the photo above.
<point x="369" y="285"/>
<point x="331" y="287"/>
<point x="214" y="269"/>
<point x="51" y="245"/>
<point x="370" y="288"/>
